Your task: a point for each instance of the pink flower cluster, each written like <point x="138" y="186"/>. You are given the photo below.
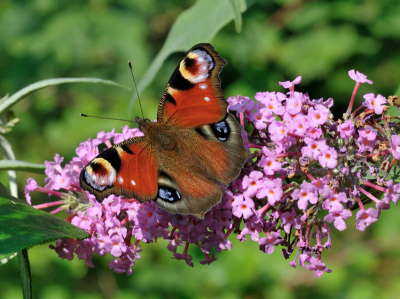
<point x="307" y="171"/>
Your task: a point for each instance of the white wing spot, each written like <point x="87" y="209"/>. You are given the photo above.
<point x="207" y="99"/>
<point x="200" y="59"/>
<point x="121" y="180"/>
<point x="203" y="86"/>
<point x="133" y="183"/>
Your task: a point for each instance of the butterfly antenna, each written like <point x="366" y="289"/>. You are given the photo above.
<point x="140" y="103"/>
<point x="85" y="115"/>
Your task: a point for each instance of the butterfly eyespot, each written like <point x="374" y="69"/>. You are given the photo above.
<point x="168" y="194"/>
<point x="221" y="130"/>
<point x="100" y="174"/>
<point x="196" y="66"/>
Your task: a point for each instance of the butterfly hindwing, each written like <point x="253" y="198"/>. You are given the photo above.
<point x="184" y="191"/>
<point x="193" y="95"/>
<point x="128" y="168"/>
<point x="222" y="148"/>
<point x="194" y="176"/>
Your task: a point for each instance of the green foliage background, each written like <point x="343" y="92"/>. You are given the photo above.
<point x="319" y="40"/>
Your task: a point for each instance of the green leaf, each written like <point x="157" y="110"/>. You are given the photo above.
<point x="198" y="24"/>
<point x="25" y="269"/>
<point x="238" y="14"/>
<point x="22" y="226"/>
<point x="21" y="166"/>
<point x="397" y="93"/>
<point x="18" y="96"/>
<point x="394" y="174"/>
<point x="394" y="111"/>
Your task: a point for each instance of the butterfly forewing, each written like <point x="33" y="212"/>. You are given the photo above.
<point x="128" y="168"/>
<point x="193" y="95"/>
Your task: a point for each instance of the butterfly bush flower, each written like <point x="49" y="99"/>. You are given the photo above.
<point x="307" y="172"/>
<point x="359" y="77"/>
<point x="346" y="129"/>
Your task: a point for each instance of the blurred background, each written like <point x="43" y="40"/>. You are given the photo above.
<point x="280" y="40"/>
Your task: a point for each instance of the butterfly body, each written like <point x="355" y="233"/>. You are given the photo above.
<point x="188" y="157"/>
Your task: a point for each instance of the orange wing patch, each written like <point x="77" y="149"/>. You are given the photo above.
<point x="194" y="107"/>
<point x="137" y="176"/>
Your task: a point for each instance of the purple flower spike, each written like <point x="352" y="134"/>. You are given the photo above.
<point x="359" y="77"/>
<point x="305" y="170"/>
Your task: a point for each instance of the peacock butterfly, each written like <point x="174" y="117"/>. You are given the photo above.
<point x="189" y="156"/>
